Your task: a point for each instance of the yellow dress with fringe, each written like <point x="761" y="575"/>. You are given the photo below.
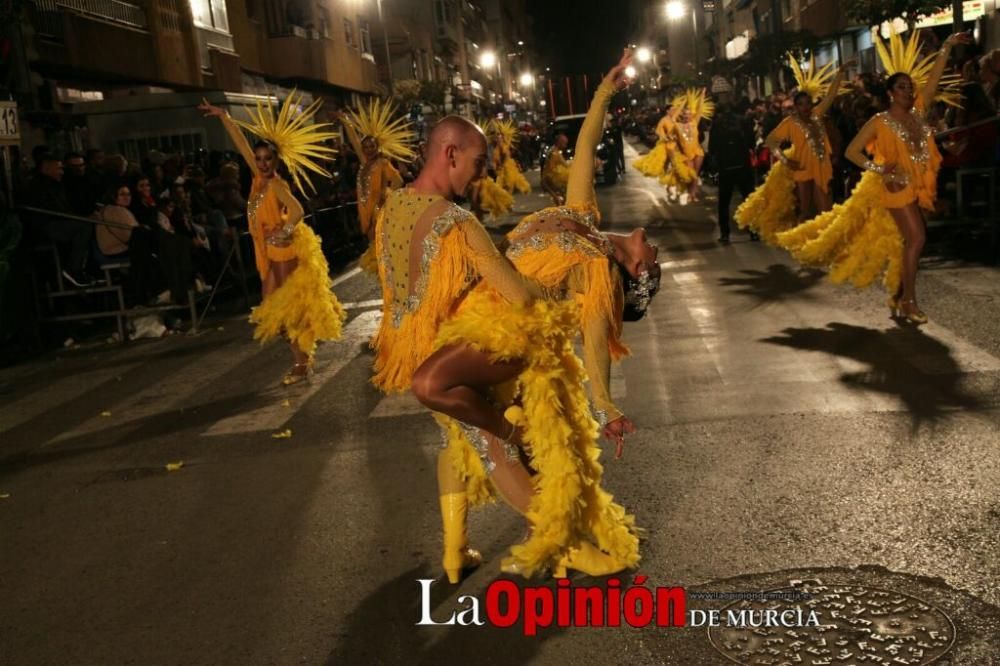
<point x="858" y="241"/>
<point x="494" y="199"/>
<point x="770" y="209"/>
<point x="304" y="308"/>
<point x="656" y="162"/>
<point x="561" y="249"/>
<point x="510" y="178"/>
<point x="678" y="173"/>
<point x="810" y="147"/>
<point x="653" y="164"/>
<point x="569" y="505"/>
<point x="555" y="173"/>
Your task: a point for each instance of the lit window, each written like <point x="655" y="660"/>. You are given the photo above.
<point x="210" y="14"/>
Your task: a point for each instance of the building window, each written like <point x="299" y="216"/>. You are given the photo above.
<point x="210" y="14"/>
<point x="441" y="12"/>
<point x="349" y="32"/>
<point x="365" y="31"/>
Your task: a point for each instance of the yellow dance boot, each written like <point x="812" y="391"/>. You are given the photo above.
<point x="457" y="554"/>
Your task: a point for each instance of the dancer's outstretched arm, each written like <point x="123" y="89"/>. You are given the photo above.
<point x="580" y="187"/>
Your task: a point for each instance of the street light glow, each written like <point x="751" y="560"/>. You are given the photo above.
<point x="675" y="10"/>
<point x="527" y="79"/>
<point x="488" y="59"/>
<point x="643" y="54"/>
<point x="630" y="72"/>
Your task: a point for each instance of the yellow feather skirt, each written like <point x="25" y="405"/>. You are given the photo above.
<point x="857" y="241"/>
<point x="494" y="199"/>
<point x="678" y="172"/>
<point x="304" y="308"/>
<point x="654" y="163"/>
<point x="770" y="208"/>
<point x="556" y="178"/>
<point x="569" y="505"/>
<point x="511" y="179"/>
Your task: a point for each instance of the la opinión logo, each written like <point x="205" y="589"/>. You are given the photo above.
<point x="536" y="607"/>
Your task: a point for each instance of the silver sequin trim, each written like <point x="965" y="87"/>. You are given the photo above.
<point x="919" y="150"/>
<point x="479" y="443"/>
<point x="814" y="133"/>
<point x="431" y="246"/>
<point x="253" y="205"/>
<point x="601" y="417"/>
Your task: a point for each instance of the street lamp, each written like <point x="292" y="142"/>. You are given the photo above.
<point x="643" y="54"/>
<point x="527" y="79"/>
<point x="488" y="59"/>
<point x="630" y="72"/>
<point x="675" y="10"/>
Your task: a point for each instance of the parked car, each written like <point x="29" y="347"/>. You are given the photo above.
<point x="607" y="172"/>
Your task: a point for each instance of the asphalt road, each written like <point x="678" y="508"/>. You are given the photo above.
<point x="788" y="430"/>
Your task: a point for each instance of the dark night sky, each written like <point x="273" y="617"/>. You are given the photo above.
<point x="581" y="36"/>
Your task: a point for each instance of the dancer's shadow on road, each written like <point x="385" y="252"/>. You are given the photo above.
<point x="903" y="362"/>
<point x="775" y="283"/>
<point x="383" y="629"/>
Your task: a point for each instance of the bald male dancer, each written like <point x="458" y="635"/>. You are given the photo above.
<point x="433" y="255"/>
<point x="431" y="252"/>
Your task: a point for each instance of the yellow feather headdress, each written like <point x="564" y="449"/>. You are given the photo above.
<point x="393" y="136"/>
<point x="697" y="103"/>
<point x="905" y="57"/>
<point x="505" y="129"/>
<point x="299" y="142"/>
<point x="814" y="82"/>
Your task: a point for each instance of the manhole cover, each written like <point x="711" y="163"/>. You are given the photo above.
<point x="857" y="624"/>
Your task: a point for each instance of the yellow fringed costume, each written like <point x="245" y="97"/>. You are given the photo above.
<point x="561" y="248"/>
<point x="303" y="308"/>
<point x="569" y="505"/>
<point x="492" y="198"/>
<point x="654" y="164"/>
<point x="858" y="241"/>
<point x="503" y="134"/>
<point x="680" y="170"/>
<point x="770" y="208"/>
<point x="377" y="176"/>
<point x="555" y="172"/>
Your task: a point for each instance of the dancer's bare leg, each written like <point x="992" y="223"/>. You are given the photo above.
<point x="910" y="222"/>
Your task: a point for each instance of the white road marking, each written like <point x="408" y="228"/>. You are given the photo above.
<point x="166" y="394"/>
<point x="331" y="360"/>
<point x="346" y="276"/>
<point x="58" y="393"/>
<point x="361" y="305"/>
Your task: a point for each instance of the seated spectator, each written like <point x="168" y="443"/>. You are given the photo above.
<point x="123" y="238"/>
<point x="45" y="191"/>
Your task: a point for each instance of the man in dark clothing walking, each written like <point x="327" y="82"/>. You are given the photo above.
<point x="729" y="144"/>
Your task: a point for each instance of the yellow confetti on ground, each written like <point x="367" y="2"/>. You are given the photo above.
<point x="284" y="434"/>
<point x="4" y="495"/>
<point x="286" y="403"/>
<point x="221" y="328"/>
<point x="173" y="467"/>
<point x="105" y="413"/>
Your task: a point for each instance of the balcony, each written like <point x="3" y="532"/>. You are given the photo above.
<point x="113" y="11"/>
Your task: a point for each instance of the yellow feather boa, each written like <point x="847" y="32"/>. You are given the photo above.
<point x="510" y="178"/>
<point x="857" y="240"/>
<point x="770" y="208"/>
<point x="304" y="308"/>
<point x="654" y="163"/>
<point x="569" y="505"/>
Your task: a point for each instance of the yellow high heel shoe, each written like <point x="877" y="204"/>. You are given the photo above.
<point x="586" y="559"/>
<point x="457" y="554"/>
<point x="299" y="372"/>
<point x="912" y="313"/>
